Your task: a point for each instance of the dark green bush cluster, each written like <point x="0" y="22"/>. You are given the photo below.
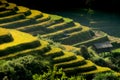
<point x="23" y="68"/>
<point x="56" y="75"/>
<point x="101" y="62"/>
<point x="84" y="52"/>
<point x="116" y="44"/>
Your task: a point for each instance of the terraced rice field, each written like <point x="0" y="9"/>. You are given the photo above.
<point x="58" y="28"/>
<point x="35" y="22"/>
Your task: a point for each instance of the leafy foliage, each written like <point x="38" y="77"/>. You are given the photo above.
<point x="85" y="52"/>
<point x="23" y="68"/>
<point x="56" y="75"/>
<point x="106" y="76"/>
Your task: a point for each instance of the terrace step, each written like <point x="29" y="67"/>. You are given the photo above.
<point x="56" y="18"/>
<point x="61" y="33"/>
<point x="19" y="43"/>
<point x="32" y="27"/>
<point x="77" y="36"/>
<point x="92" y="41"/>
<point x="68" y="56"/>
<point x="5" y="36"/>
<point x="54" y="52"/>
<point x="11" y="6"/>
<point x="7" y="13"/>
<point x="18" y="23"/>
<point x="36" y="28"/>
<point x="25" y="10"/>
<point x="89" y="66"/>
<point x="45" y="17"/>
<point x="35" y="14"/>
<point x="44" y="47"/>
<point x="35" y="33"/>
<point x="98" y="70"/>
<point x="40" y="28"/>
<point x="72" y="63"/>
<point x="67" y="23"/>
<point x="3" y="2"/>
<point x="2" y="7"/>
<point x="12" y="18"/>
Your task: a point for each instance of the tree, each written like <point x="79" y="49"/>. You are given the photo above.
<point x="84" y="52"/>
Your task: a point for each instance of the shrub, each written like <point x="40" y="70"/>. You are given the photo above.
<point x="56" y="75"/>
<point x="106" y="76"/>
<point x="84" y="52"/>
<point x="51" y="75"/>
<point x="23" y="68"/>
<point x="77" y="78"/>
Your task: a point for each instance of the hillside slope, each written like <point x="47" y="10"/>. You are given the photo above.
<point x="58" y="28"/>
<point x="15" y="43"/>
<point x="23" y="44"/>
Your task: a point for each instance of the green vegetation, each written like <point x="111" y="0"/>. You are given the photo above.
<point x="56" y="75"/>
<point x="23" y="67"/>
<point x="24" y="57"/>
<point x="106" y="76"/>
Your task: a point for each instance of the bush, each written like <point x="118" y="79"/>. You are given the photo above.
<point x="84" y="52"/>
<point x="106" y="76"/>
<point x="56" y="75"/>
<point x="23" y="68"/>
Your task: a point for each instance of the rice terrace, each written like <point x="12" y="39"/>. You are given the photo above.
<point x="38" y="45"/>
